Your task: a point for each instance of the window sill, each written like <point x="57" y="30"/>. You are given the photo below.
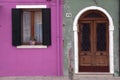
<point x="32" y="46"/>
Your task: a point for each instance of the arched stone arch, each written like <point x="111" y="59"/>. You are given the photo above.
<point x="111" y="29"/>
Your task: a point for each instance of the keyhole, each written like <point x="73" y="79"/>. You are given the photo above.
<point x="85" y="53"/>
<point x="101" y="53"/>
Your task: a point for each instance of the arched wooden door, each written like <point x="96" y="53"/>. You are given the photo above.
<point x="93" y="42"/>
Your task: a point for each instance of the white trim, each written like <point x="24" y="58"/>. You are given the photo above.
<point x="111" y="29"/>
<point x="31" y="46"/>
<point x="31" y="6"/>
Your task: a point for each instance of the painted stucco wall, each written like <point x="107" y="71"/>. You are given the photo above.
<point x="30" y="62"/>
<point x="73" y="7"/>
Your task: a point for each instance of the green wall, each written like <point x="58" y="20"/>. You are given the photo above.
<point x="73" y="7"/>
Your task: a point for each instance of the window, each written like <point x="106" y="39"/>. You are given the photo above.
<point x="31" y="26"/>
<point x="92" y="14"/>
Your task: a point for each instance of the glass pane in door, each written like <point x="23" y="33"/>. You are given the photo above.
<point x="101" y="36"/>
<point x="85" y="37"/>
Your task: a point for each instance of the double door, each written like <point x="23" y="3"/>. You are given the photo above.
<point x="93" y="46"/>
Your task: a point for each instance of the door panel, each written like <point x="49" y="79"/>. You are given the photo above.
<point x="85" y="60"/>
<point x="101" y="61"/>
<point x="93" y="46"/>
<point x="85" y="44"/>
<point x="101" y="54"/>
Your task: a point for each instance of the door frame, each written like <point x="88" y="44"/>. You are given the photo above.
<point x="111" y="44"/>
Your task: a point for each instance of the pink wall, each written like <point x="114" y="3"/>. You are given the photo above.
<point x="30" y="62"/>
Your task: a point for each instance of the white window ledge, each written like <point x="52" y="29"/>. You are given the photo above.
<point x="32" y="46"/>
<point x="31" y="6"/>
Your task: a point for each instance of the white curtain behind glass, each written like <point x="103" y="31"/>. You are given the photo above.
<point x="38" y="26"/>
<point x="26" y="26"/>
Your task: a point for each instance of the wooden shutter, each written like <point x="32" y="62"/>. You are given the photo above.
<point x="46" y="26"/>
<point x="16" y="27"/>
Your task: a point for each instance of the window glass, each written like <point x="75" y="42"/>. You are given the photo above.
<point x="32" y="26"/>
<point x="26" y="26"/>
<point x="93" y="15"/>
<point x="38" y="27"/>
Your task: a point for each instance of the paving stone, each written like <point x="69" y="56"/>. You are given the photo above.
<point x="60" y="78"/>
<point x="7" y="78"/>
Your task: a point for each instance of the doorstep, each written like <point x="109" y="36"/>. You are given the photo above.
<point x="93" y="74"/>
